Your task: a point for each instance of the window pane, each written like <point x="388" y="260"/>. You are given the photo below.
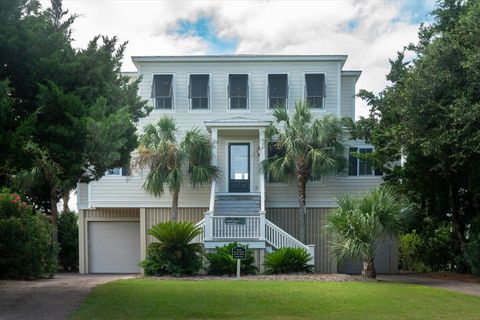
<point x="239" y="162"/>
<point x="238" y="103"/>
<point x="199" y="103"/>
<point x="315" y="84"/>
<point x="315" y="102"/>
<point x="277" y="103"/>
<point x="365" y="169"/>
<point x="352" y="162"/>
<point x="238" y="85"/>
<point x="163" y="103"/>
<point x="162" y="85"/>
<point x="199" y="85"/>
<point x="277" y="86"/>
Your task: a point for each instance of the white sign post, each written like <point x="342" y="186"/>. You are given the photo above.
<point x="238" y="253"/>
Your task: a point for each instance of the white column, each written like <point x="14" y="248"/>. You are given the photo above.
<point x="261" y="156"/>
<point x="143" y="234"/>
<point x="211" y="206"/>
<point x="81" y="241"/>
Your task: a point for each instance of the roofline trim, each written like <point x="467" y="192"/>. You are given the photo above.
<point x="217" y="58"/>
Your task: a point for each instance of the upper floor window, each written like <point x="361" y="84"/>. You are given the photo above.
<point x="315" y="90"/>
<point x="199" y="91"/>
<point x="277" y="90"/>
<point x="238" y="91"/>
<point x="360" y="167"/>
<point x="274" y="153"/>
<point x="114" y="172"/>
<point x="162" y="91"/>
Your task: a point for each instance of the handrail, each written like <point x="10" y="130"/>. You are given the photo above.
<point x="279" y="238"/>
<point x="200" y="238"/>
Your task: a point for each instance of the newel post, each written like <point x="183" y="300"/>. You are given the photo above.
<point x="208" y="226"/>
<point x="262" y="224"/>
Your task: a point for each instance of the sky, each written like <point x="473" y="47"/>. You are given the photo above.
<point x="368" y="31"/>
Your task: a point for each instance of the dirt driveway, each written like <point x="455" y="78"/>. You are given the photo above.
<point x="48" y="299"/>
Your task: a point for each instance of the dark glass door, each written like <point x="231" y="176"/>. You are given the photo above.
<point x="239" y="167"/>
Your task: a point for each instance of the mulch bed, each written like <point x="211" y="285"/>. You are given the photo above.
<point x="311" y="277"/>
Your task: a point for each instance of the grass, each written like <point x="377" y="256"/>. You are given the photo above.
<point x="171" y="299"/>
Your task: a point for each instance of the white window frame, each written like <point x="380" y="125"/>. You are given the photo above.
<point x="304" y="93"/>
<point x="174" y="93"/>
<point x="120" y="174"/>
<point x="210" y="82"/>
<point x="357" y="176"/>
<point x="267" y="97"/>
<point x="248" y="92"/>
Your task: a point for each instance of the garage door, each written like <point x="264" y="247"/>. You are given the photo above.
<point x="114" y="247"/>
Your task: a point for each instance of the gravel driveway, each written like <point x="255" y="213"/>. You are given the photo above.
<point x="48" y="299"/>
<point x="452" y="285"/>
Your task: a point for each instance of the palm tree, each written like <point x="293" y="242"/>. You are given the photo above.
<point x="360" y="225"/>
<point x="308" y="148"/>
<point x="171" y="161"/>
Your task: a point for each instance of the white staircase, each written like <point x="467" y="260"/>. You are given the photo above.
<point x="256" y="231"/>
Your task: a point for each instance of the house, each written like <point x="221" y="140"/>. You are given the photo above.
<point x="231" y="99"/>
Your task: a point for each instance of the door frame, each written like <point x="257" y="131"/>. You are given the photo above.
<point x="250" y="164"/>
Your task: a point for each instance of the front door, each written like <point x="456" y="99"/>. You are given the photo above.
<point x="239" y="167"/>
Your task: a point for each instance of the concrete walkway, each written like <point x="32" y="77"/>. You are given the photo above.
<point x="452" y="285"/>
<point x="48" y="299"/>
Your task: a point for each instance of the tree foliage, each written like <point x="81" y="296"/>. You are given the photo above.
<point x="429" y="116"/>
<point x="360" y="225"/>
<point x="170" y="160"/>
<point x="310" y="148"/>
<point x="73" y="105"/>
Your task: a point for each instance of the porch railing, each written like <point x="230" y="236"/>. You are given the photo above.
<point x="235" y="227"/>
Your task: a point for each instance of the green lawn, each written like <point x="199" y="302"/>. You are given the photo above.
<point x="157" y="299"/>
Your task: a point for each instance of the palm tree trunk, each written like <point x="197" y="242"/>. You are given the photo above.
<point x="174" y="215"/>
<point x="368" y="270"/>
<point x="54" y="210"/>
<point x="66" y="198"/>
<point x="302" y="182"/>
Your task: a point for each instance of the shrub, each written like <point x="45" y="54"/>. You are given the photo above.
<point x="288" y="260"/>
<point x="174" y="253"/>
<point x="27" y="246"/>
<point x="221" y="262"/>
<point x="472" y="254"/>
<point x="68" y="241"/>
<point x="437" y="250"/>
<point x="410" y="252"/>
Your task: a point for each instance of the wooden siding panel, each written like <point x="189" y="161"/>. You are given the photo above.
<point x="287" y="219"/>
<point x="112" y="213"/>
<point x="154" y="216"/>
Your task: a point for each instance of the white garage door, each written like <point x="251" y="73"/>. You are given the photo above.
<point x="114" y="247"/>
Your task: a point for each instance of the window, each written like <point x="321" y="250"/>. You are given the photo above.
<point x="162" y="91"/>
<point x="273" y="152"/>
<point x="199" y="91"/>
<point x="114" y="172"/>
<point x="360" y="167"/>
<point x="277" y="90"/>
<point x="315" y="90"/>
<point x="238" y="91"/>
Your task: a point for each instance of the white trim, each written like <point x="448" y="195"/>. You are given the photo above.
<point x="287" y="106"/>
<point x="227" y="81"/>
<point x="227" y="171"/>
<point x="353" y="99"/>
<point x="304" y="93"/>
<point x="339" y="89"/>
<point x="174" y="93"/>
<point x="242" y="57"/>
<point x="210" y="82"/>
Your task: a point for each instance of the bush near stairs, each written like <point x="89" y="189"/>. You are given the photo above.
<point x="222" y="262"/>
<point x="288" y="260"/>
